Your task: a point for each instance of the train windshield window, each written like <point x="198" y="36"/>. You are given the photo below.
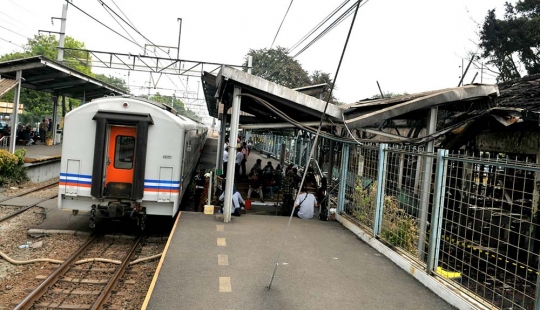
<point x="124" y="152"/>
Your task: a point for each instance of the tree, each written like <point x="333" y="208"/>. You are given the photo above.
<point x="176" y="104"/>
<point x="319" y="77"/>
<point x="387" y="94"/>
<point x="114" y="81"/>
<point x="513" y="43"/>
<point x="39" y="104"/>
<point x="277" y="66"/>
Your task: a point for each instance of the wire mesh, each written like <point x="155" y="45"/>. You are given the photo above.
<point x="489" y="239"/>
<point x="361" y="185"/>
<point x="409" y="177"/>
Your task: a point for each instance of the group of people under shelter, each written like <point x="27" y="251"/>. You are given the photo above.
<point x="27" y="134"/>
<point x="271" y="181"/>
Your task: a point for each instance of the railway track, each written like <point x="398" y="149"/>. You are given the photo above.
<point x="21" y="210"/>
<point x="72" y="287"/>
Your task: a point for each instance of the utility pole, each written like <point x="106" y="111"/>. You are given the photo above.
<point x="482" y="74"/>
<point x="62" y="32"/>
<point x="179" y="35"/>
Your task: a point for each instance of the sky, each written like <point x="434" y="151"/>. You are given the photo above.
<point x="407" y="46"/>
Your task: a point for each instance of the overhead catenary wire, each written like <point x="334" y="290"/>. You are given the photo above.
<point x="132" y="26"/>
<point x="315" y="141"/>
<point x="95" y="19"/>
<point x="14" y="32"/>
<point x="290" y="4"/>
<point x="12" y="43"/>
<point x="330" y="27"/>
<point x="319" y="25"/>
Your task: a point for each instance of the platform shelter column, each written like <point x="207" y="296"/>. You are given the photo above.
<point x="235" y="117"/>
<point x="15" y="116"/>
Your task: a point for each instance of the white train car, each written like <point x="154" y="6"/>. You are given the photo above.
<point x="127" y="156"/>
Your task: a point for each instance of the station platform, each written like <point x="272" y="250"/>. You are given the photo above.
<point x="212" y="265"/>
<point x="41" y="152"/>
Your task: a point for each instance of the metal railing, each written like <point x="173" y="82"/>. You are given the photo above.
<point x="4" y="143"/>
<point x="470" y="220"/>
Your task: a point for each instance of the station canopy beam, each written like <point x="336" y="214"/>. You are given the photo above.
<point x="43" y="74"/>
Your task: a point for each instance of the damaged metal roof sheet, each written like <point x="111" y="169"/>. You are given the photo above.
<point x="521" y="94"/>
<point x="294" y="103"/>
<point x="363" y="114"/>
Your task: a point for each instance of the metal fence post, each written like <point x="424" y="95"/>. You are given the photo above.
<point x="343" y="177"/>
<point x="381" y="177"/>
<point x="437" y="211"/>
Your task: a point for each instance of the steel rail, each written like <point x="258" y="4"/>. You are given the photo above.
<point x="106" y="293"/>
<point x="28" y="192"/>
<point x="26" y="208"/>
<point x="29" y="300"/>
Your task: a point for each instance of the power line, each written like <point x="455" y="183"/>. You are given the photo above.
<point x="319" y="25"/>
<point x="132" y="26"/>
<point x="119" y="24"/>
<point x="15" y="32"/>
<point x="334" y="24"/>
<point x="137" y="31"/>
<point x="11" y="43"/>
<point x="123" y="13"/>
<point x="24" y="8"/>
<point x="13" y="19"/>
<point x="317" y="135"/>
<point x="281" y="24"/>
<point x="92" y="17"/>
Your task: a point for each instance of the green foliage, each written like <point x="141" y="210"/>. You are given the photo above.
<point x="38" y="105"/>
<point x="388" y="94"/>
<point x="114" y="81"/>
<point x="177" y="104"/>
<point x="12" y="169"/>
<point x="277" y="66"/>
<point x="514" y="41"/>
<point x="398" y="228"/>
<point x="20" y="154"/>
<point x="364" y="201"/>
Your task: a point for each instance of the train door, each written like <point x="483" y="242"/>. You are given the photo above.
<point x="120" y="161"/>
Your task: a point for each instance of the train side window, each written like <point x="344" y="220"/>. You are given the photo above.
<point x="124" y="152"/>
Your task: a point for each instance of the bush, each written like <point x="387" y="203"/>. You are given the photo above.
<point x="12" y="170"/>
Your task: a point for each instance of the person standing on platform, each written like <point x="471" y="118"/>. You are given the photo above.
<point x="43" y="127"/>
<point x="200" y="182"/>
<point x="238" y="162"/>
<point x="245" y="153"/>
<point x="305" y="204"/>
<point x="288" y="193"/>
<point x="225" y="162"/>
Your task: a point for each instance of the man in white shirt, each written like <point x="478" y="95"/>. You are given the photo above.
<point x="238" y="161"/>
<point x="305" y="204"/>
<point x="225" y="162"/>
<point x="237" y="200"/>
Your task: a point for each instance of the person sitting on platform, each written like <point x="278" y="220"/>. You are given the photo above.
<point x="237" y="202"/>
<point x="305" y="204"/>
<point x="257" y="168"/>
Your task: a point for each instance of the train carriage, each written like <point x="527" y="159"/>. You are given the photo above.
<point x="127" y="156"/>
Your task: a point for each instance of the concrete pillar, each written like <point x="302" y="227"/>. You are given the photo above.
<point x="15" y="115"/>
<point x="235" y="117"/>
